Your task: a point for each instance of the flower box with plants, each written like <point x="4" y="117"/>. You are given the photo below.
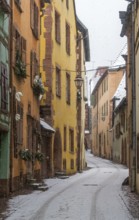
<point x="39" y="156"/>
<point x="25" y="154"/>
<point x="20" y="67"/>
<point x="38" y="87"/>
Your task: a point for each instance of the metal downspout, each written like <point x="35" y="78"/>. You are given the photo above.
<point x="11" y="94"/>
<point x="133" y="165"/>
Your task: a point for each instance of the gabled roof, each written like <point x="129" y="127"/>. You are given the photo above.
<point x="82" y="28"/>
<point x="106" y="71"/>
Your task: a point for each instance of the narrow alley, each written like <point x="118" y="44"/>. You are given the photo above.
<point x="94" y="194"/>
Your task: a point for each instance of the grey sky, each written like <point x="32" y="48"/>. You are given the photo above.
<point x="101" y="17"/>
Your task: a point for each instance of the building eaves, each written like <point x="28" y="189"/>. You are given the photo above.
<point x="99" y="81"/>
<point x="82" y="28"/>
<point x="109" y="69"/>
<point x="125" y="17"/>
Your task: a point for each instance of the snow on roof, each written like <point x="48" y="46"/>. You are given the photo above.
<point x="120" y="92"/>
<point x="97" y="75"/>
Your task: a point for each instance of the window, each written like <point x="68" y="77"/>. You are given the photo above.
<point x="23" y="50"/>
<point x="67" y="38"/>
<point x="16" y="44"/>
<point x="19" y="124"/>
<point x="57" y="27"/>
<point x="34" y="15"/>
<point x="33" y="66"/>
<point x="4" y="87"/>
<point x="71" y="140"/>
<point x="65" y="138"/>
<point x="67" y="88"/>
<point x="67" y="4"/>
<point x="0" y="145"/>
<point x="58" y="82"/>
<point x="138" y="153"/>
<point x="117" y="131"/>
<point x="19" y="47"/>
<point x="72" y="164"/>
<point x="64" y="164"/>
<point x="106" y="108"/>
<point x="29" y="133"/>
<point x="123" y="121"/>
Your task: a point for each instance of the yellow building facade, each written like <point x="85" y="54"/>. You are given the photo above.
<point x="58" y="70"/>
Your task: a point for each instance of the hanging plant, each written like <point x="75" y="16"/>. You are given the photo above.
<point x="39" y="156"/>
<point x="38" y="87"/>
<point x="20" y="67"/>
<point x="25" y="154"/>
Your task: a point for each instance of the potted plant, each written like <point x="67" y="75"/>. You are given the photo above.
<point x="20" y="67"/>
<point x="38" y="87"/>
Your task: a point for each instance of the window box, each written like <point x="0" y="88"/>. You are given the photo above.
<point x="39" y="156"/>
<point x="38" y="87"/>
<point x="25" y="154"/>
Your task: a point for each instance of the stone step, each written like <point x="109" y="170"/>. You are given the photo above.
<point x="39" y="186"/>
<point x="62" y="177"/>
<point x="43" y="188"/>
<point x="60" y="173"/>
<point x="35" y="185"/>
<point x="31" y="180"/>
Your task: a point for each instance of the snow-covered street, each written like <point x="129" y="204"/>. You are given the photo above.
<point x="94" y="194"/>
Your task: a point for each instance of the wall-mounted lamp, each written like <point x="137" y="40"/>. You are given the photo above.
<point x="78" y="83"/>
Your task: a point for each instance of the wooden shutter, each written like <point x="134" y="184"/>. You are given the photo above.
<point x="36" y="16"/>
<point x="19" y="124"/>
<point x="23" y="49"/>
<point x="32" y="14"/>
<point x="14" y="124"/>
<point x="29" y="133"/>
<point x="4" y="87"/>
<point x="14" y="47"/>
<point x="31" y="67"/>
<point x="67" y="38"/>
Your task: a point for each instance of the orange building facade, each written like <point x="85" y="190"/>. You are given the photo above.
<point x="26" y="90"/>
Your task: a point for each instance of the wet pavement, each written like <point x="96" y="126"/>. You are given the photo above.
<point x="95" y="194"/>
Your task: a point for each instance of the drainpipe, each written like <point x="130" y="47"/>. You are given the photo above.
<point x="11" y="95"/>
<point x="133" y="162"/>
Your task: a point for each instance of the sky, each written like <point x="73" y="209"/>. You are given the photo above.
<point x="101" y="17"/>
